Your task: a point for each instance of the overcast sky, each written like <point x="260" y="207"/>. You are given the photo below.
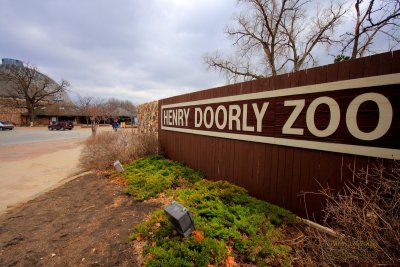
<point x="139" y="50"/>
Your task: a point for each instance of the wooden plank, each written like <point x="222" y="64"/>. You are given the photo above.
<point x="215" y="159"/>
<point x="321" y="74"/>
<point x="272" y="83"/>
<point x="266" y="179"/>
<point x="306" y="161"/>
<point x="385" y="63"/>
<point x="371" y="66"/>
<point x="362" y="163"/>
<point x="396" y="61"/>
<point x="311" y="184"/>
<point x="280" y="81"/>
<point x="271" y="192"/>
<point x="207" y="156"/>
<point x="236" y="163"/>
<point x="287" y="179"/>
<point x="210" y="152"/>
<point x="344" y="70"/>
<point x="332" y="72"/>
<point x="330" y="170"/>
<point x="240" y="169"/>
<point x="333" y="168"/>
<point x="194" y="145"/>
<point x="262" y="85"/>
<point x="294" y="79"/>
<point x="348" y="167"/>
<point x="357" y="68"/>
<point x="175" y="138"/>
<point x="258" y="169"/>
<point x="249" y="181"/>
<point x="279" y="187"/>
<point x="312" y="76"/>
<point x="295" y="200"/>
<point x="231" y="153"/>
<point x="225" y="159"/>
<point x="302" y="77"/>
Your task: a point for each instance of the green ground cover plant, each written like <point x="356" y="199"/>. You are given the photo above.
<point x="150" y="176"/>
<point x="230" y="224"/>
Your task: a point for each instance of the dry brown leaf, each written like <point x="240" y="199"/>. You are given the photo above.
<point x="230" y="261"/>
<point x="198" y="235"/>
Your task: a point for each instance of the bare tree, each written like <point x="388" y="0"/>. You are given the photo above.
<point x="98" y="110"/>
<point x="125" y="106"/>
<point x="30" y="89"/>
<point x="372" y="17"/>
<point x="276" y="36"/>
<point x="92" y="108"/>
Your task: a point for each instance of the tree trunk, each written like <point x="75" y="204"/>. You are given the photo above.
<point x="94" y="127"/>
<point x="31" y="116"/>
<point x="356" y="31"/>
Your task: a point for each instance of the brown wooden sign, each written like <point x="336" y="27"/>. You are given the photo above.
<point x="358" y="116"/>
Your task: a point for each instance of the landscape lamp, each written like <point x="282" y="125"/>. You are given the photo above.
<point x="181" y="218"/>
<point x="118" y="166"/>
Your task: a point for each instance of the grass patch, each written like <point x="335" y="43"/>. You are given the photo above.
<point x="228" y="221"/>
<point x="150" y="176"/>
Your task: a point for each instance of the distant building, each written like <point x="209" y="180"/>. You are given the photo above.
<point x="11" y="61"/>
<point x="61" y="109"/>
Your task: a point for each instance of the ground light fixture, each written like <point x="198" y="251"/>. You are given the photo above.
<point x="180" y="217"/>
<point x="118" y="166"/>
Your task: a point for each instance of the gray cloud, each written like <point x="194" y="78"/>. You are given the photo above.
<point x="136" y="50"/>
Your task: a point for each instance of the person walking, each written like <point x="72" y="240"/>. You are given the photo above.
<point x="115" y="125"/>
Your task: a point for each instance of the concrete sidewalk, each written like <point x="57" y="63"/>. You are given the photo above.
<point x="29" y="169"/>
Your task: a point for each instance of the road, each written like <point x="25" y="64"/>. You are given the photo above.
<point x="40" y="134"/>
<point x="35" y="160"/>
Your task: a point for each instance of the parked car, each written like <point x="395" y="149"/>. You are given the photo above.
<point x="61" y="125"/>
<point x="6" y="125"/>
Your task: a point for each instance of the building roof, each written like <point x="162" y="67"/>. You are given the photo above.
<point x="58" y="110"/>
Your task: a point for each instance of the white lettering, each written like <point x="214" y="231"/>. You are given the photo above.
<point x="198" y="120"/>
<point x="245" y="126"/>
<point x="234" y="117"/>
<point x="170" y="117"/>
<point x="299" y="105"/>
<point x="165" y="117"/>
<point x="225" y="117"/>
<point x="210" y="123"/>
<point x="180" y="117"/>
<point x="334" y="116"/>
<point x="174" y="117"/>
<point x="384" y="121"/>
<point x="186" y="114"/>
<point x="260" y="115"/>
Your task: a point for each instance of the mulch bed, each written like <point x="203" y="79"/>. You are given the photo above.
<point x="85" y="222"/>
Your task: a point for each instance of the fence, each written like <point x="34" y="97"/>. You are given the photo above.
<point x="292" y="133"/>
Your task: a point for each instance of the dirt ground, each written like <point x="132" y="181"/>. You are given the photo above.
<point x="85" y="222"/>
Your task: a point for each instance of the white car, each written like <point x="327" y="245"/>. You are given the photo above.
<point x="6" y="125"/>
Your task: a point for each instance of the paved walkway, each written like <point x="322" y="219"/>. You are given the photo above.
<point x="35" y="160"/>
